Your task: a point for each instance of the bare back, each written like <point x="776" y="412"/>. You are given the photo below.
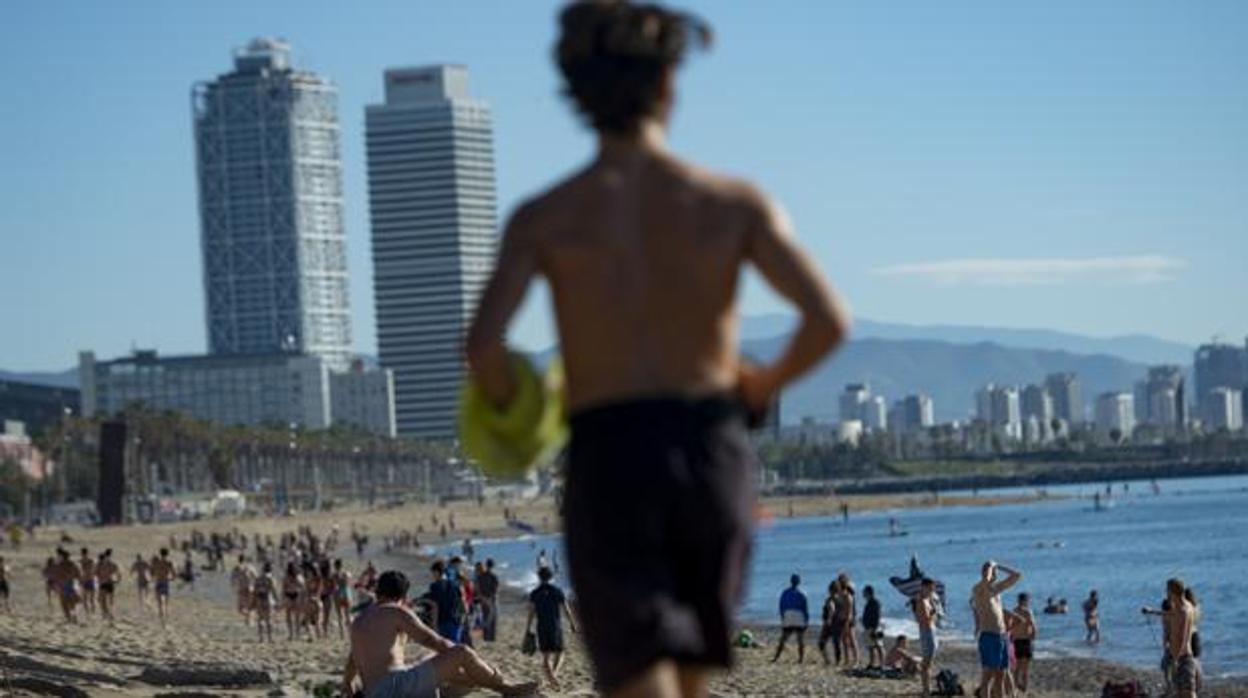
<point x="643" y="259"/>
<point x="379" y="637"/>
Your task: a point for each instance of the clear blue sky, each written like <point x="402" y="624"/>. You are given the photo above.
<point x="1067" y="164"/>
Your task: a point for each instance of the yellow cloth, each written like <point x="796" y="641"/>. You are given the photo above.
<point x="511" y="441"/>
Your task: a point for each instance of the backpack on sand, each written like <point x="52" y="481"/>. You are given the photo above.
<point x="948" y="684"/>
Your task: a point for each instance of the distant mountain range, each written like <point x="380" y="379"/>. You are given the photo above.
<point x="947" y="362"/>
<point x="1140" y="348"/>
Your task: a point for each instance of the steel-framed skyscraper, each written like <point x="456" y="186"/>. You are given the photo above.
<point x="432" y="204"/>
<point x="271" y="211"/>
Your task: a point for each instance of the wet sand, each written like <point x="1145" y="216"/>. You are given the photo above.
<point x="207" y="642"/>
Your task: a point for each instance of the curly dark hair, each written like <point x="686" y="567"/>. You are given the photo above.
<point x="614" y="55"/>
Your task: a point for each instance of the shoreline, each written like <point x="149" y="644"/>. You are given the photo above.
<point x="207" y="639"/>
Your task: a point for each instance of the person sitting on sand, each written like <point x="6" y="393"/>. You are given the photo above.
<point x="108" y="574"/>
<point x="548" y="605"/>
<point x="263" y="601"/>
<point x="67" y="576"/>
<point x="994" y="656"/>
<point x="163" y="573"/>
<point x="901" y="658"/>
<point x="86" y="567"/>
<point x="1024" y="634"/>
<point x="1091" y="618"/>
<point x="142" y="571"/>
<point x="794" y="618"/>
<point x="4" y="586"/>
<point x="378" y="653"/>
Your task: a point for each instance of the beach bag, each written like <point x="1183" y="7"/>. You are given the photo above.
<point x="948" y="684"/>
<point x="529" y="645"/>
<point x="1123" y="689"/>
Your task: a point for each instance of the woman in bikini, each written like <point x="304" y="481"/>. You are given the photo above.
<point x="292" y="584"/>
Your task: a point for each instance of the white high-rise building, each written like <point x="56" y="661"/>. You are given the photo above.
<point x="853" y="400"/>
<point x="1115" y="413"/>
<point x="270" y="208"/>
<point x="1223" y="409"/>
<point x="432" y="203"/>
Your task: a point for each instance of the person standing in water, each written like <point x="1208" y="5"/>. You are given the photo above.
<point x="1091" y="618"/>
<point x="644" y="250"/>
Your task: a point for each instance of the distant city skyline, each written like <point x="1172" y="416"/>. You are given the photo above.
<point x="1061" y="166"/>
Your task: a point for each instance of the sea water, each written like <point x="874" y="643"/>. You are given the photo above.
<point x="1196" y="529"/>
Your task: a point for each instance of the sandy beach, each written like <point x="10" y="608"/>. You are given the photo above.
<point x="208" y="651"/>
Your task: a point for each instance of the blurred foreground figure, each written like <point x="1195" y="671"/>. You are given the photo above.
<point x="643" y="252"/>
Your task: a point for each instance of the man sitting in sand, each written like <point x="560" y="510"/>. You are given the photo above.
<point x="379" y="636"/>
<point x="994" y="653"/>
<point x="901" y="658"/>
<point x="163" y="572"/>
<point x="1179" y="623"/>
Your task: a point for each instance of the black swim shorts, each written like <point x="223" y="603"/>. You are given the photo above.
<point x="658" y="515"/>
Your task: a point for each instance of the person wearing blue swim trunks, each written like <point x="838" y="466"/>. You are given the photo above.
<point x="994" y="657"/>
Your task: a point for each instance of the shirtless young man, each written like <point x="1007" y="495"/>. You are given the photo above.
<point x="379" y="636"/>
<point x="67" y="577"/>
<point x="643" y="253"/>
<point x="163" y="573"/>
<point x="1024" y="634"/>
<point x="1091" y="618"/>
<point x="86" y="565"/>
<point x="1179" y="622"/>
<point x="108" y="574"/>
<point x="142" y="571"/>
<point x="994" y="653"/>
<point x="926" y="613"/>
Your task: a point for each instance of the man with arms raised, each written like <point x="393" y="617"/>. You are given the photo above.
<point x="379" y="636"/>
<point x="994" y="651"/>
<point x="643" y="252"/>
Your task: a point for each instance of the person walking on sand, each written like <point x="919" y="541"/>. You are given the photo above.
<point x="108" y="574"/>
<point x="1091" y="618"/>
<point x="68" y="577"/>
<point x="1178" y="620"/>
<point x="548" y="605"/>
<point x="142" y="571"/>
<point x="4" y="586"/>
<point x="242" y="577"/>
<point x="49" y="581"/>
<point x="163" y="573"/>
<point x="794" y="618"/>
<point x="643" y="249"/>
<point x="994" y="656"/>
<point x="377" y="658"/>
<point x="263" y="601"/>
<point x="926" y="613"/>
<point x="341" y="579"/>
<point x="1024" y="634"/>
<point x="86" y="566"/>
